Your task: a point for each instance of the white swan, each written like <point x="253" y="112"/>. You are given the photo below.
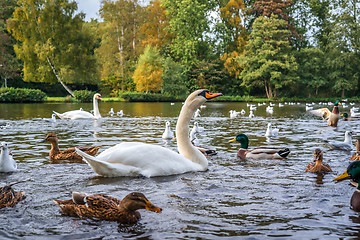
<point x="79" y="114"/>
<point x="133" y="158"/>
<point x="7" y="163"/>
<point x="270" y="132"/>
<point x="120" y="113"/>
<point x="346" y="145"/>
<point x="168" y="133"/>
<point x="111" y="112"/>
<point x="251" y="115"/>
<point x="197" y="113"/>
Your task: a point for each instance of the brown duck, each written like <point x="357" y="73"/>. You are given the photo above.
<point x="103" y="207"/>
<point x="8" y="197"/>
<point x="68" y="154"/>
<point x="318" y="165"/>
<point x="356" y="156"/>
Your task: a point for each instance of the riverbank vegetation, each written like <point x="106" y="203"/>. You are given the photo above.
<point x="274" y="49"/>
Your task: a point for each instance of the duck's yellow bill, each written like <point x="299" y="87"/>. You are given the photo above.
<point x="150" y="207"/>
<point x="233" y="140"/>
<point x="343" y="176"/>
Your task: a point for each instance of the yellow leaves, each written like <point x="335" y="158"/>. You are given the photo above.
<point x="231" y="64"/>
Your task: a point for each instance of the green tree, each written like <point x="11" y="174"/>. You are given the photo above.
<point x="120" y="42"/>
<point x="312" y="70"/>
<point x="268" y="59"/>
<point x="189" y="22"/>
<point x="52" y="42"/>
<point x="148" y="72"/>
<point x="174" y="78"/>
<point x="9" y="64"/>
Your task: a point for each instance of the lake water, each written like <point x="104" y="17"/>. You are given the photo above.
<point x="234" y="199"/>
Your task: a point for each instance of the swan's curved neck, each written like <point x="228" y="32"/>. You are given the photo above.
<point x="182" y="135"/>
<point x="96" y="108"/>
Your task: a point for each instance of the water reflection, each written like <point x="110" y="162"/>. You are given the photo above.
<point x="253" y="198"/>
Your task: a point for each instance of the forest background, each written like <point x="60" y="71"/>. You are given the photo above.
<point x="270" y="48"/>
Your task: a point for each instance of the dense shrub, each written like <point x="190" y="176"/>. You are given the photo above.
<point x="21" y="95"/>
<point x="84" y="95"/>
<point x="149" y="97"/>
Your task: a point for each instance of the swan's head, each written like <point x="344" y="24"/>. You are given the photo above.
<point x="242" y="139"/>
<point x="97" y="96"/>
<point x="135" y="201"/>
<point x="51" y="137"/>
<point x="201" y="96"/>
<point x="318" y="154"/>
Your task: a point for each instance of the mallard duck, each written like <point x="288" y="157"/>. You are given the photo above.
<point x="103" y="207"/>
<point x="7" y="162"/>
<point x="8" y="197"/>
<point x="168" y="133"/>
<point x="353" y="172"/>
<point x="346" y="145"/>
<point x="346" y="117"/>
<point x="134" y="158"/>
<point x="68" y="154"/>
<point x="332" y="117"/>
<point x="79" y="114"/>
<point x="318" y="165"/>
<point x="356" y="155"/>
<point x="257" y="153"/>
<point x="270" y="132"/>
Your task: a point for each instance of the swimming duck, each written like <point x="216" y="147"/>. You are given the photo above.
<point x="346" y="117"/>
<point x="103" y="207"/>
<point x="353" y="172"/>
<point x="135" y="158"/>
<point x="318" y="165"/>
<point x="79" y="114"/>
<point x="258" y="153"/>
<point x="270" y="132"/>
<point x="68" y="154"/>
<point x="8" y="197"/>
<point x="168" y="133"/>
<point x="356" y="155"/>
<point x="7" y="162"/>
<point x="332" y="117"/>
<point x="346" y="145"/>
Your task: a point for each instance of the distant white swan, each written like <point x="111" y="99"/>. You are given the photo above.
<point x="270" y="132"/>
<point x="79" y="114"/>
<point x="134" y="158"/>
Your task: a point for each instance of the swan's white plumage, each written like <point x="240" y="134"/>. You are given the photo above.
<point x="271" y="132"/>
<point x="133" y="158"/>
<point x="7" y="163"/>
<point x="80" y="114"/>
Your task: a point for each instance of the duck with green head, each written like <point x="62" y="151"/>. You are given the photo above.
<point x="258" y="153"/>
<point x="353" y="172"/>
<point x="332" y="117"/>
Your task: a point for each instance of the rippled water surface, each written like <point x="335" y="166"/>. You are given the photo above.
<point x="254" y="199"/>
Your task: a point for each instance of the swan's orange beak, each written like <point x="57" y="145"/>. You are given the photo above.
<point x="150" y="207"/>
<point x="209" y="95"/>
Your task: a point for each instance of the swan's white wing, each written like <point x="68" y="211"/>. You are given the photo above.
<point x="146" y="159"/>
<point x="75" y="114"/>
<point x="321" y="112"/>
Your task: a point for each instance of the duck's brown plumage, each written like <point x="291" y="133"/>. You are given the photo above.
<point x="334" y="117"/>
<point x="356" y="155"/>
<point x="103" y="207"/>
<point x="8" y="197"/>
<point x="69" y="154"/>
<point x="318" y="165"/>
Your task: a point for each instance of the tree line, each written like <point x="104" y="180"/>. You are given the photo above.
<point x="270" y="48"/>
